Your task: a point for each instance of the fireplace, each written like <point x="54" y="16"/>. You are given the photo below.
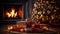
<point x="13" y="12"/>
<point x="14" y="9"/>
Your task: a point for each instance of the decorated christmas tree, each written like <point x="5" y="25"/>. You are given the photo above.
<point x="45" y="10"/>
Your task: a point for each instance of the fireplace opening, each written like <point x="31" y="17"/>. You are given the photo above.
<point x="13" y="12"/>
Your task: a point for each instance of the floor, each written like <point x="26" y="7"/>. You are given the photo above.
<point x="3" y="30"/>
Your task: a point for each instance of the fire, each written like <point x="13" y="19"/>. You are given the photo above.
<point x="12" y="13"/>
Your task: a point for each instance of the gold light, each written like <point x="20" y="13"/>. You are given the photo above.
<point x="41" y="16"/>
<point x="35" y="5"/>
<point x="52" y="17"/>
<point x="10" y="27"/>
<point x="45" y="27"/>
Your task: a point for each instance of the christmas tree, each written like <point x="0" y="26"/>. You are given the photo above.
<point x="45" y="10"/>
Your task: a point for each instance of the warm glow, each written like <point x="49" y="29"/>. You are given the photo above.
<point x="35" y="5"/>
<point x="21" y="30"/>
<point x="52" y="17"/>
<point x="45" y="27"/>
<point x="10" y="27"/>
<point x="41" y="16"/>
<point x="12" y="13"/>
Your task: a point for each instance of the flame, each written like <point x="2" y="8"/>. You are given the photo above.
<point x="20" y="12"/>
<point x="12" y="13"/>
